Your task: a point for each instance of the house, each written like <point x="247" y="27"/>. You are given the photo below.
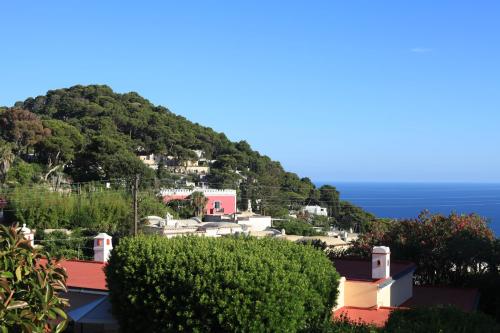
<point x="170" y="227"/>
<point x="315" y="210"/>
<point x="370" y="290"/>
<point x="254" y="222"/>
<point x="219" y="201"/>
<point x="200" y="165"/>
<point x="90" y="310"/>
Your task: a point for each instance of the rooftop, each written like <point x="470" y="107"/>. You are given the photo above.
<point x="373" y="316"/>
<point x="361" y="270"/>
<point x="465" y="299"/>
<point x="84" y="274"/>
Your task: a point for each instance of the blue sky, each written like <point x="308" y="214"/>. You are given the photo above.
<point x="335" y="90"/>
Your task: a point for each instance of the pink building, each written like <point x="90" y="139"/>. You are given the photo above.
<point x="219" y="201"/>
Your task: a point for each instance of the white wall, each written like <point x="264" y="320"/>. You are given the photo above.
<point x="341" y="295"/>
<point x="257" y="223"/>
<point x="402" y="289"/>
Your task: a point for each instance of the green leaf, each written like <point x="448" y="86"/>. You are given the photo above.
<point x="19" y="273"/>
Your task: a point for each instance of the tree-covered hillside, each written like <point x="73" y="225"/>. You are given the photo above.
<point x="87" y="133"/>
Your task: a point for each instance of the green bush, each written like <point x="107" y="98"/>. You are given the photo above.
<point x="236" y="284"/>
<point x="96" y="210"/>
<point x="296" y="227"/>
<point x="439" y="319"/>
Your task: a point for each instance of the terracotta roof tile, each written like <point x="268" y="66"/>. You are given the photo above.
<point x="372" y="316"/>
<point x="84" y="274"/>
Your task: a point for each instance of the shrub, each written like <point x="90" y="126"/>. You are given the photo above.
<point x="344" y="325"/>
<point x="219" y="285"/>
<point x="439" y="319"/>
<point x="296" y="227"/>
<point x="29" y="293"/>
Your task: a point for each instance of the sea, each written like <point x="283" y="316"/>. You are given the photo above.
<point x="407" y="200"/>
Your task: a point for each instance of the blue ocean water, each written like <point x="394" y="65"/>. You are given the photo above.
<point x="406" y="200"/>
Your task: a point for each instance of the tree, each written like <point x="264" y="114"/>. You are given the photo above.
<point x="198" y="202"/>
<point x="6" y="159"/>
<point x="296" y="227"/>
<point x="454" y="250"/>
<point x="59" y="148"/>
<point x="329" y="197"/>
<point x="108" y="158"/>
<point x="234" y="284"/>
<point x="352" y="216"/>
<point x="29" y="292"/>
<point x="22" y="128"/>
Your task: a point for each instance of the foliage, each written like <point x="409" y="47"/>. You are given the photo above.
<point x="330" y="197"/>
<point x="296" y="227"/>
<point x="29" y="292"/>
<point x="198" y="201"/>
<point x="354" y="217"/>
<point x="60" y="244"/>
<point x="182" y="208"/>
<point x="229" y="284"/>
<point x="95" y="209"/>
<point x="439" y="319"/>
<point x="60" y="147"/>
<point x="344" y="325"/>
<point x="454" y="250"/>
<point x="22" y="173"/>
<point x="316" y="243"/>
<point x="92" y="133"/>
<point x="445" y="249"/>
<point x="21" y="127"/>
<point x="6" y="159"/>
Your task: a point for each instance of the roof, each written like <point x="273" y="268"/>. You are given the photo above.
<point x="358" y="269"/>
<point x="465" y="299"/>
<point x="83" y="274"/>
<point x="209" y="225"/>
<point x="373" y="316"/>
<point x="96" y="312"/>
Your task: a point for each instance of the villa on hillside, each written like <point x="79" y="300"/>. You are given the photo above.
<point x="219" y="202"/>
<point x="199" y="165"/>
<point x="315" y="210"/>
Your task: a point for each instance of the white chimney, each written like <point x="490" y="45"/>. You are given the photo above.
<point x="28" y="234"/>
<point x="381" y="262"/>
<point x="102" y="247"/>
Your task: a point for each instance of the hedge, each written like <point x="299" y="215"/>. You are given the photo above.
<point x="237" y="284"/>
<point x="439" y="319"/>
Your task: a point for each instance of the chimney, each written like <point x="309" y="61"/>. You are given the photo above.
<point x="381" y="262"/>
<point x="102" y="247"/>
<point x="28" y="234"/>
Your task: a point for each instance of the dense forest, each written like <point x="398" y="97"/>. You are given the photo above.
<point x="90" y="133"/>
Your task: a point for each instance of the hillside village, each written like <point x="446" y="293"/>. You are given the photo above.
<point x="101" y="179"/>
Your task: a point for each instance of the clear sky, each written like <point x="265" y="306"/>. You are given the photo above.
<point x="335" y="90"/>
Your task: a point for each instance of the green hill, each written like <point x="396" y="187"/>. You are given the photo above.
<point x="90" y="133"/>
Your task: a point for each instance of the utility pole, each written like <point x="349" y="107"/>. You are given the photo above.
<point x="135" y="189"/>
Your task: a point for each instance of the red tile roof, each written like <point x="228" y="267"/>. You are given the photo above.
<point x="358" y="269"/>
<point x="372" y="316"/>
<point x="84" y="274"/>
<point x="463" y="298"/>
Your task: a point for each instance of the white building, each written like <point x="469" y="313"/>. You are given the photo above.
<point x="170" y="227"/>
<point x="315" y="210"/>
<point x="254" y="222"/>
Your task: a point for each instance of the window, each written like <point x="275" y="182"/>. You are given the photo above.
<point x="217" y="204"/>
